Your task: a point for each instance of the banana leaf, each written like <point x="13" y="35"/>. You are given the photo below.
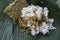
<point x="11" y="31"/>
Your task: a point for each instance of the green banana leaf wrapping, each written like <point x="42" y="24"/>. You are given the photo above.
<point x="10" y="31"/>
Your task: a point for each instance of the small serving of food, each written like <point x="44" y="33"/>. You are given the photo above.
<point x="34" y="19"/>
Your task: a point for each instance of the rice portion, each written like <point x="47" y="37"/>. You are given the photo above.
<point x="34" y="19"/>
